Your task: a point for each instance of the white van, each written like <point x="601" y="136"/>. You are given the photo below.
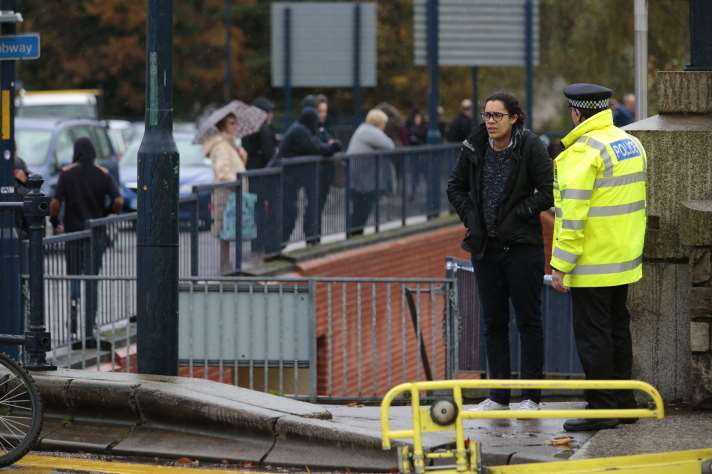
<point x="61" y="104"/>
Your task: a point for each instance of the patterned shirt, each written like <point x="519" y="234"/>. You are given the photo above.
<point x="498" y="167"/>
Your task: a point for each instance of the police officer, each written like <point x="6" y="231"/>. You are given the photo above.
<point x="599" y="194"/>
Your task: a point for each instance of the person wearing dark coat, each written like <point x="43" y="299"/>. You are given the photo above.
<point x="501" y="182"/>
<point x="301" y="139"/>
<point x="261" y="148"/>
<point x="327" y="170"/>
<point x="461" y="126"/>
<point x="84" y="189"/>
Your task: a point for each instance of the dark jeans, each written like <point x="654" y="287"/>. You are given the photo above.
<point x="515" y="274"/>
<point x="306" y="176"/>
<point x="602" y="332"/>
<point x="78" y="260"/>
<point x="362" y="206"/>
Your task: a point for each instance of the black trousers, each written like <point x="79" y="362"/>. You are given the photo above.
<point x="602" y="332"/>
<point x="515" y="274"/>
<point x="362" y="206"/>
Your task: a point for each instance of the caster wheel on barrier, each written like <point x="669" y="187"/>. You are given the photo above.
<point x="443" y="412"/>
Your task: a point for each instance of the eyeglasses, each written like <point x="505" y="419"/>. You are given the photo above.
<point x="496" y="116"/>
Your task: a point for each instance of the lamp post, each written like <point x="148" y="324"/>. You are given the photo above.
<point x="157" y="236"/>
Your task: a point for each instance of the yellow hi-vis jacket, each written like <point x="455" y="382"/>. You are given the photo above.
<point x="599" y="194"/>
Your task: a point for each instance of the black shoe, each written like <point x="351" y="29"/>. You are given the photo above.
<point x="627" y="421"/>
<point x="595" y="424"/>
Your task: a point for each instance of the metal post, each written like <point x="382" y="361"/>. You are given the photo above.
<point x="347" y="195"/>
<point x="238" y="225"/>
<point x="358" y="100"/>
<point x="405" y="157"/>
<point x="227" y="87"/>
<point x="529" y="51"/>
<point x="641" y="59"/>
<point x="287" y="66"/>
<point x="474" y="72"/>
<point x="433" y="28"/>
<point x="11" y="322"/>
<point x="37" y="338"/>
<point x="377" y="211"/>
<point x="194" y="234"/>
<point x="96" y="254"/>
<point x="157" y="236"/>
<point x="700" y="36"/>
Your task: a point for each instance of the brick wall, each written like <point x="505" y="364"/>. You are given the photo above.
<point x="366" y="350"/>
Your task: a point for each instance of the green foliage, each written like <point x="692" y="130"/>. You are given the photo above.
<point x="100" y="43"/>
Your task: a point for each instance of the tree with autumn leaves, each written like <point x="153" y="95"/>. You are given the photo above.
<point x="100" y="44"/>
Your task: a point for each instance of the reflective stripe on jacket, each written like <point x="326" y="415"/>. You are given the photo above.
<point x="599" y="194"/>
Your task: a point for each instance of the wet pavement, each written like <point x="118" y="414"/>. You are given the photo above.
<point x="503" y="441"/>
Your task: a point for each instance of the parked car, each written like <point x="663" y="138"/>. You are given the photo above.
<point x="67" y="104"/>
<point x="122" y="135"/>
<point x="47" y="145"/>
<point x="194" y="169"/>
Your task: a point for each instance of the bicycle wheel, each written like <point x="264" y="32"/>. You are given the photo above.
<point x="20" y="411"/>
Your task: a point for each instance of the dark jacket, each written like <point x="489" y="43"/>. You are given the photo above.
<point x="460" y="128"/>
<point x="260" y="146"/>
<point x="301" y="138"/>
<point x="518" y="215"/>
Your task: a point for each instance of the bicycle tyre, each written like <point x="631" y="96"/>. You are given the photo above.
<point x="16" y="437"/>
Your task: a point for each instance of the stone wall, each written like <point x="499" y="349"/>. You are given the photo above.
<point x="666" y="335"/>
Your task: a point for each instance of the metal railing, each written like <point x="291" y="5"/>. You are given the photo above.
<point x="227" y="227"/>
<point x="333" y="339"/>
<point x="108" y="245"/>
<point x="560" y="359"/>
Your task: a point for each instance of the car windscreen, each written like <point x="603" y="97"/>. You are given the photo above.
<point x="190" y="155"/>
<point x="32" y="145"/>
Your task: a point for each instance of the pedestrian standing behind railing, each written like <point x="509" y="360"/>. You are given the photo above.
<point x="461" y="126"/>
<point x="84" y="188"/>
<point x="501" y="182"/>
<point x="261" y="148"/>
<point x="301" y="139"/>
<point x="369" y="137"/>
<point x="327" y="172"/>
<point x="228" y="159"/>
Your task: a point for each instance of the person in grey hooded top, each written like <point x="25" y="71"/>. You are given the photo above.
<point x="301" y="140"/>
<point x="369" y="137"/>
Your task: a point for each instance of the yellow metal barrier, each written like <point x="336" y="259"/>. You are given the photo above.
<point x="466" y="454"/>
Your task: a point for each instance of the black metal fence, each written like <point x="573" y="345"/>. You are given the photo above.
<point x="560" y="356"/>
<point x="226" y="228"/>
<point x="308" y="200"/>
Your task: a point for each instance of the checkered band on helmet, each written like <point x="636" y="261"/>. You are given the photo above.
<point x="589" y="104"/>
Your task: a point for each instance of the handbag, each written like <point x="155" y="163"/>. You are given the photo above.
<point x="249" y="228"/>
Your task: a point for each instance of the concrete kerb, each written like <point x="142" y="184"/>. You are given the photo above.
<point x="170" y="416"/>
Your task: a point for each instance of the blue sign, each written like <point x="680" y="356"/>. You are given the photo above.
<point x="19" y="47"/>
<point x="625" y="149"/>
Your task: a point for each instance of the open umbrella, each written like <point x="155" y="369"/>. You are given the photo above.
<point x="249" y="120"/>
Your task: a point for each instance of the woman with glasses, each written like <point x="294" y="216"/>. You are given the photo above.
<point x="502" y="181"/>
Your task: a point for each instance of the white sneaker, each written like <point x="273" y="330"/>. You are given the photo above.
<point x="528" y="405"/>
<point x="490" y="405"/>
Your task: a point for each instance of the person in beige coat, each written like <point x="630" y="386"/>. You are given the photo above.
<point x="228" y="160"/>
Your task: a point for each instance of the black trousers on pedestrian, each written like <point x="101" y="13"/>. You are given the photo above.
<point x="513" y="274"/>
<point x="602" y="332"/>
<point x="362" y="206"/>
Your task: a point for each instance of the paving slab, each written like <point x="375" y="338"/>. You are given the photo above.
<point x="68" y="434"/>
<point x="169" y="443"/>
<point x="503" y="441"/>
<point x="679" y="430"/>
